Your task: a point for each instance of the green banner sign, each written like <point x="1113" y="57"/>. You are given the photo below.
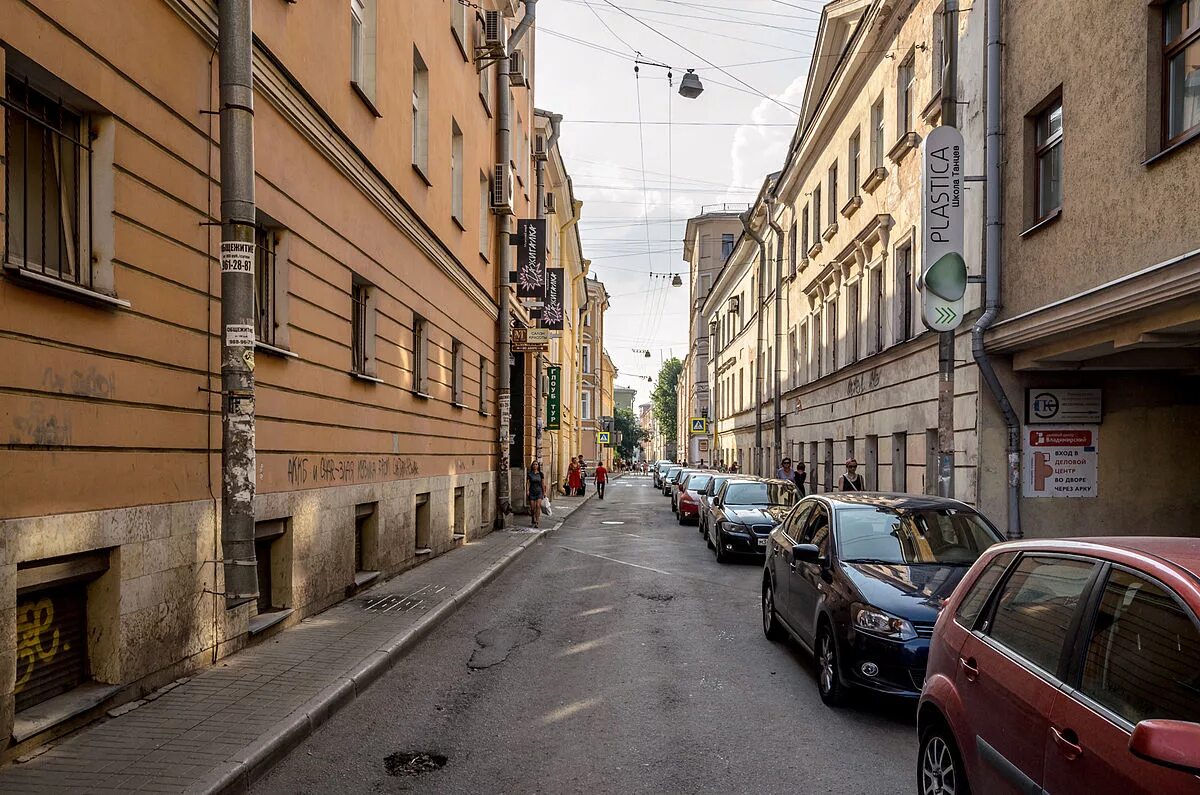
<point x="553" y="398"/>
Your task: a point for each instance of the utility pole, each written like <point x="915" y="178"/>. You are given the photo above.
<point x="945" y="403"/>
<point x="235" y="43"/>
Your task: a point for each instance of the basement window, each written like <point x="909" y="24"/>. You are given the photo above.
<point x="273" y="555"/>
<point x="422" y="538"/>
<point x="366" y="543"/>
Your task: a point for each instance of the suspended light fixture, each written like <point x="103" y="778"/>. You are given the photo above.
<point x="690" y="86"/>
<point x="676" y="281"/>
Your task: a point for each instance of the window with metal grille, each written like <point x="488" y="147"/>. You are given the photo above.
<point x="47" y="186"/>
<point x="264" y="285"/>
<point x="360" y="297"/>
<point x="420" y="355"/>
<point x="456" y="374"/>
<point x="483" y="385"/>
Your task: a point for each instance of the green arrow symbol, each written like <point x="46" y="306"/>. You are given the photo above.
<point x="946" y="314"/>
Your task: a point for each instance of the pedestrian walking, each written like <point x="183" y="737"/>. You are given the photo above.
<point x="785" y="472"/>
<point x="850" y="479"/>
<point x="582" y="476"/>
<point x="802" y="478"/>
<point x="574" y="479"/>
<point x="601" y="479"/>
<point x="535" y="491"/>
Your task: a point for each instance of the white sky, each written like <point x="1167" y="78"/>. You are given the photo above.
<point x="686" y="165"/>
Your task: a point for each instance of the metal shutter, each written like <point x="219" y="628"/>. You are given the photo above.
<point x="51" y="643"/>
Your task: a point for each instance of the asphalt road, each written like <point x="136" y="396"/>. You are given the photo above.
<point x="614" y="656"/>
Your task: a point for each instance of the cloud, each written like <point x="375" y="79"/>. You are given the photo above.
<point x="757" y="150"/>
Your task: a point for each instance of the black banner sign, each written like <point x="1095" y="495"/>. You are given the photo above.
<point x="531" y="258"/>
<point x="552" y="310"/>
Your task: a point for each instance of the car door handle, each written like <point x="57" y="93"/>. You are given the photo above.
<point x="1065" y="740"/>
<point x="969" y="668"/>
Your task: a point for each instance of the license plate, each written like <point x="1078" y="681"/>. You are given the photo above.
<point x="762" y="542"/>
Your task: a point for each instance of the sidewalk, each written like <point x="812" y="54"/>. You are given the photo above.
<point x="224" y="728"/>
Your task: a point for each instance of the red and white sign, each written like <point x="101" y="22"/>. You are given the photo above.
<point x="1061" y="461"/>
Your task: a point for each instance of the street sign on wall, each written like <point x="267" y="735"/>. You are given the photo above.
<point x="699" y="425"/>
<point x="605" y="438"/>
<point x="521" y="344"/>
<point x="531" y="258"/>
<point x="1056" y="406"/>
<point x="943" y="279"/>
<point x="553" y="397"/>
<point x="1061" y="461"/>
<point x="552" y="310"/>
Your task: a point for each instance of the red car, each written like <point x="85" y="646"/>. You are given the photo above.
<point x="688" y="504"/>
<point x="1068" y="666"/>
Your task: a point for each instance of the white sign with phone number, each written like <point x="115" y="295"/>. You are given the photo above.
<point x="1061" y="461"/>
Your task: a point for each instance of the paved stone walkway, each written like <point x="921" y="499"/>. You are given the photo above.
<point x="223" y="728"/>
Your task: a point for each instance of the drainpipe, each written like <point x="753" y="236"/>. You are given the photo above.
<point x="504" y="298"/>
<point x="995" y="226"/>
<point x="758" y="357"/>
<point x="235" y="42"/>
<point x="777" y="364"/>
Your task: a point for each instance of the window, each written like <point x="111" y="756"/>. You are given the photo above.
<point x="273" y="556"/>
<point x="877" y="131"/>
<point x="922" y="535"/>
<point x="831" y="333"/>
<point x="852" y="176"/>
<point x="939" y="54"/>
<point x="420" y="114"/>
<point x="518" y="162"/>
<point x="1049" y="156"/>
<point x="485" y="217"/>
<point x="456" y="173"/>
<point x="270" y="288"/>
<point x="1181" y="62"/>
<point x="804" y="230"/>
<point x="366" y="538"/>
<point x="931" y="461"/>
<point x="875" y="313"/>
<point x="794" y="358"/>
<point x="458" y="23"/>
<point x="1141" y="658"/>
<point x="485" y="73"/>
<point x="802" y="362"/>
<point x="585" y="405"/>
<point x="705" y="284"/>
<point x="833" y="192"/>
<point x="726" y="246"/>
<point x="900" y="462"/>
<point x="362" y="326"/>
<point x="818" y="343"/>
<point x="905" y="86"/>
<point x="816" y="208"/>
<point x="483" y="385"/>
<point x="905" y="289"/>
<point x="1036" y="606"/>
<point x="49" y="155"/>
<point x="456" y="372"/>
<point x="793" y="262"/>
<point x="852" y="294"/>
<point x="420" y="366"/>
<point x="362" y="47"/>
<point x="973" y="601"/>
<point x="422" y="539"/>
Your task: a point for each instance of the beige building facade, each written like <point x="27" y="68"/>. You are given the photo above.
<point x="376" y="332"/>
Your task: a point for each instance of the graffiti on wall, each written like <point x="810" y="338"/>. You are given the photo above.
<point x="325" y="470"/>
<point x="37" y="639"/>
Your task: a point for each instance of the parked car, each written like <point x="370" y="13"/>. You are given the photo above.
<point x="858" y="579"/>
<point x="687" y="504"/>
<point x="664" y="479"/>
<point x="745" y="512"/>
<point x="674" y="486"/>
<point x="658" y="468"/>
<point x="1067" y="666"/>
<point x="706" y="499"/>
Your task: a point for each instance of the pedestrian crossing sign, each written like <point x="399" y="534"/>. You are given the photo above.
<point x="605" y="437"/>
<point x="699" y="425"/>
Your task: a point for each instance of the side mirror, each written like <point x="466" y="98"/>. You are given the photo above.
<point x="806" y="553"/>
<point x="716" y="502"/>
<point x="1170" y="743"/>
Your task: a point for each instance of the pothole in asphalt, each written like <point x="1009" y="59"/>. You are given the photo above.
<point x="413" y="763"/>
<point x="657" y="597"/>
<point x="497" y="643"/>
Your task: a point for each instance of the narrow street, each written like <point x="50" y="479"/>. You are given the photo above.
<point x="614" y="656"/>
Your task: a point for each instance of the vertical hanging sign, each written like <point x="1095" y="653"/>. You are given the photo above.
<point x="552" y="310"/>
<point x="553" y="397"/>
<point x="531" y="258"/>
<point x="943" y="280"/>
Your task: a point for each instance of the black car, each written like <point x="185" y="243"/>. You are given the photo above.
<point x="744" y="513"/>
<point x="706" y="498"/>
<point x="858" y="579"/>
<point x="664" y="479"/>
<point x="658" y="469"/>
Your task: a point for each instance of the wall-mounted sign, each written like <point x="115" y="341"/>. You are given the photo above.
<point x="943" y="279"/>
<point x="699" y="425"/>
<point x="605" y="438"/>
<point x="537" y="335"/>
<point x="1057" y="406"/>
<point x="552" y="310"/>
<point x="553" y="397"/>
<point x="531" y="258"/>
<point x="1061" y="461"/>
<point x="522" y="344"/>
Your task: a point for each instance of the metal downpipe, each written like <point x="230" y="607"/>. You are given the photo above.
<point x="758" y="357"/>
<point x="778" y="355"/>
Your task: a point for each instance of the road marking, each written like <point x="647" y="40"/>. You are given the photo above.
<point x="614" y="560"/>
<point x="612" y="522"/>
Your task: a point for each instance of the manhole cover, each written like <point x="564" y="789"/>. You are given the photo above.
<point x="612" y="522"/>
<point x="408" y="763"/>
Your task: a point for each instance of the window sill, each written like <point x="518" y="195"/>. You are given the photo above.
<point x="1188" y="138"/>
<point x="264" y="621"/>
<point x="852" y="206"/>
<point x="273" y="350"/>
<point x="424" y="551"/>
<point x="459" y="405"/>
<point x="874" y="179"/>
<point x="364" y="377"/>
<point x="484" y="414"/>
<point x="364" y="578"/>
<point x="370" y="103"/>
<point x="37" y="281"/>
<point x="60" y="709"/>
<point x="458" y="222"/>
<point x="830" y="231"/>
<point x="933" y="111"/>
<point x="1043" y="223"/>
<point x="815" y="250"/>
<point x="423" y="395"/>
<point x="908" y="142"/>
<point x="421" y="173"/>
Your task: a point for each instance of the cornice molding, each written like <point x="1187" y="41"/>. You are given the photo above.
<point x="277" y="88"/>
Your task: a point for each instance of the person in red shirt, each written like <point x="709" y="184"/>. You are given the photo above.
<point x="601" y="478"/>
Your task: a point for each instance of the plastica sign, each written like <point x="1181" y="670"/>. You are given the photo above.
<point x="1061" y="461"/>
<point x="553" y="397"/>
<point x="943" y="279"/>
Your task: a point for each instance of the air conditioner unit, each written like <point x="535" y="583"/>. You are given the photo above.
<point x="502" y="189"/>
<point x="493" y="31"/>
<point x="517" y="69"/>
<point x="539" y="148"/>
<point x="550" y="204"/>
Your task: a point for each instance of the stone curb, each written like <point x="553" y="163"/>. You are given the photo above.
<point x="256" y="760"/>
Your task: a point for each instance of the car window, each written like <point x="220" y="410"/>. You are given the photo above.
<point x="972" y="603"/>
<point x="816" y="530"/>
<point x="715" y="485"/>
<point x="1142" y="653"/>
<point x="885" y="535"/>
<point x="1036" y="606"/>
<point x="793" y="526"/>
<point x="698" y="481"/>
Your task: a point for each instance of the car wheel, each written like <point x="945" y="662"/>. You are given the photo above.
<point x="716" y="545"/>
<point x="940" y="769"/>
<point x="832" y="691"/>
<point x="771" y="626"/>
<point x="708" y="539"/>
<point x="681" y="519"/>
